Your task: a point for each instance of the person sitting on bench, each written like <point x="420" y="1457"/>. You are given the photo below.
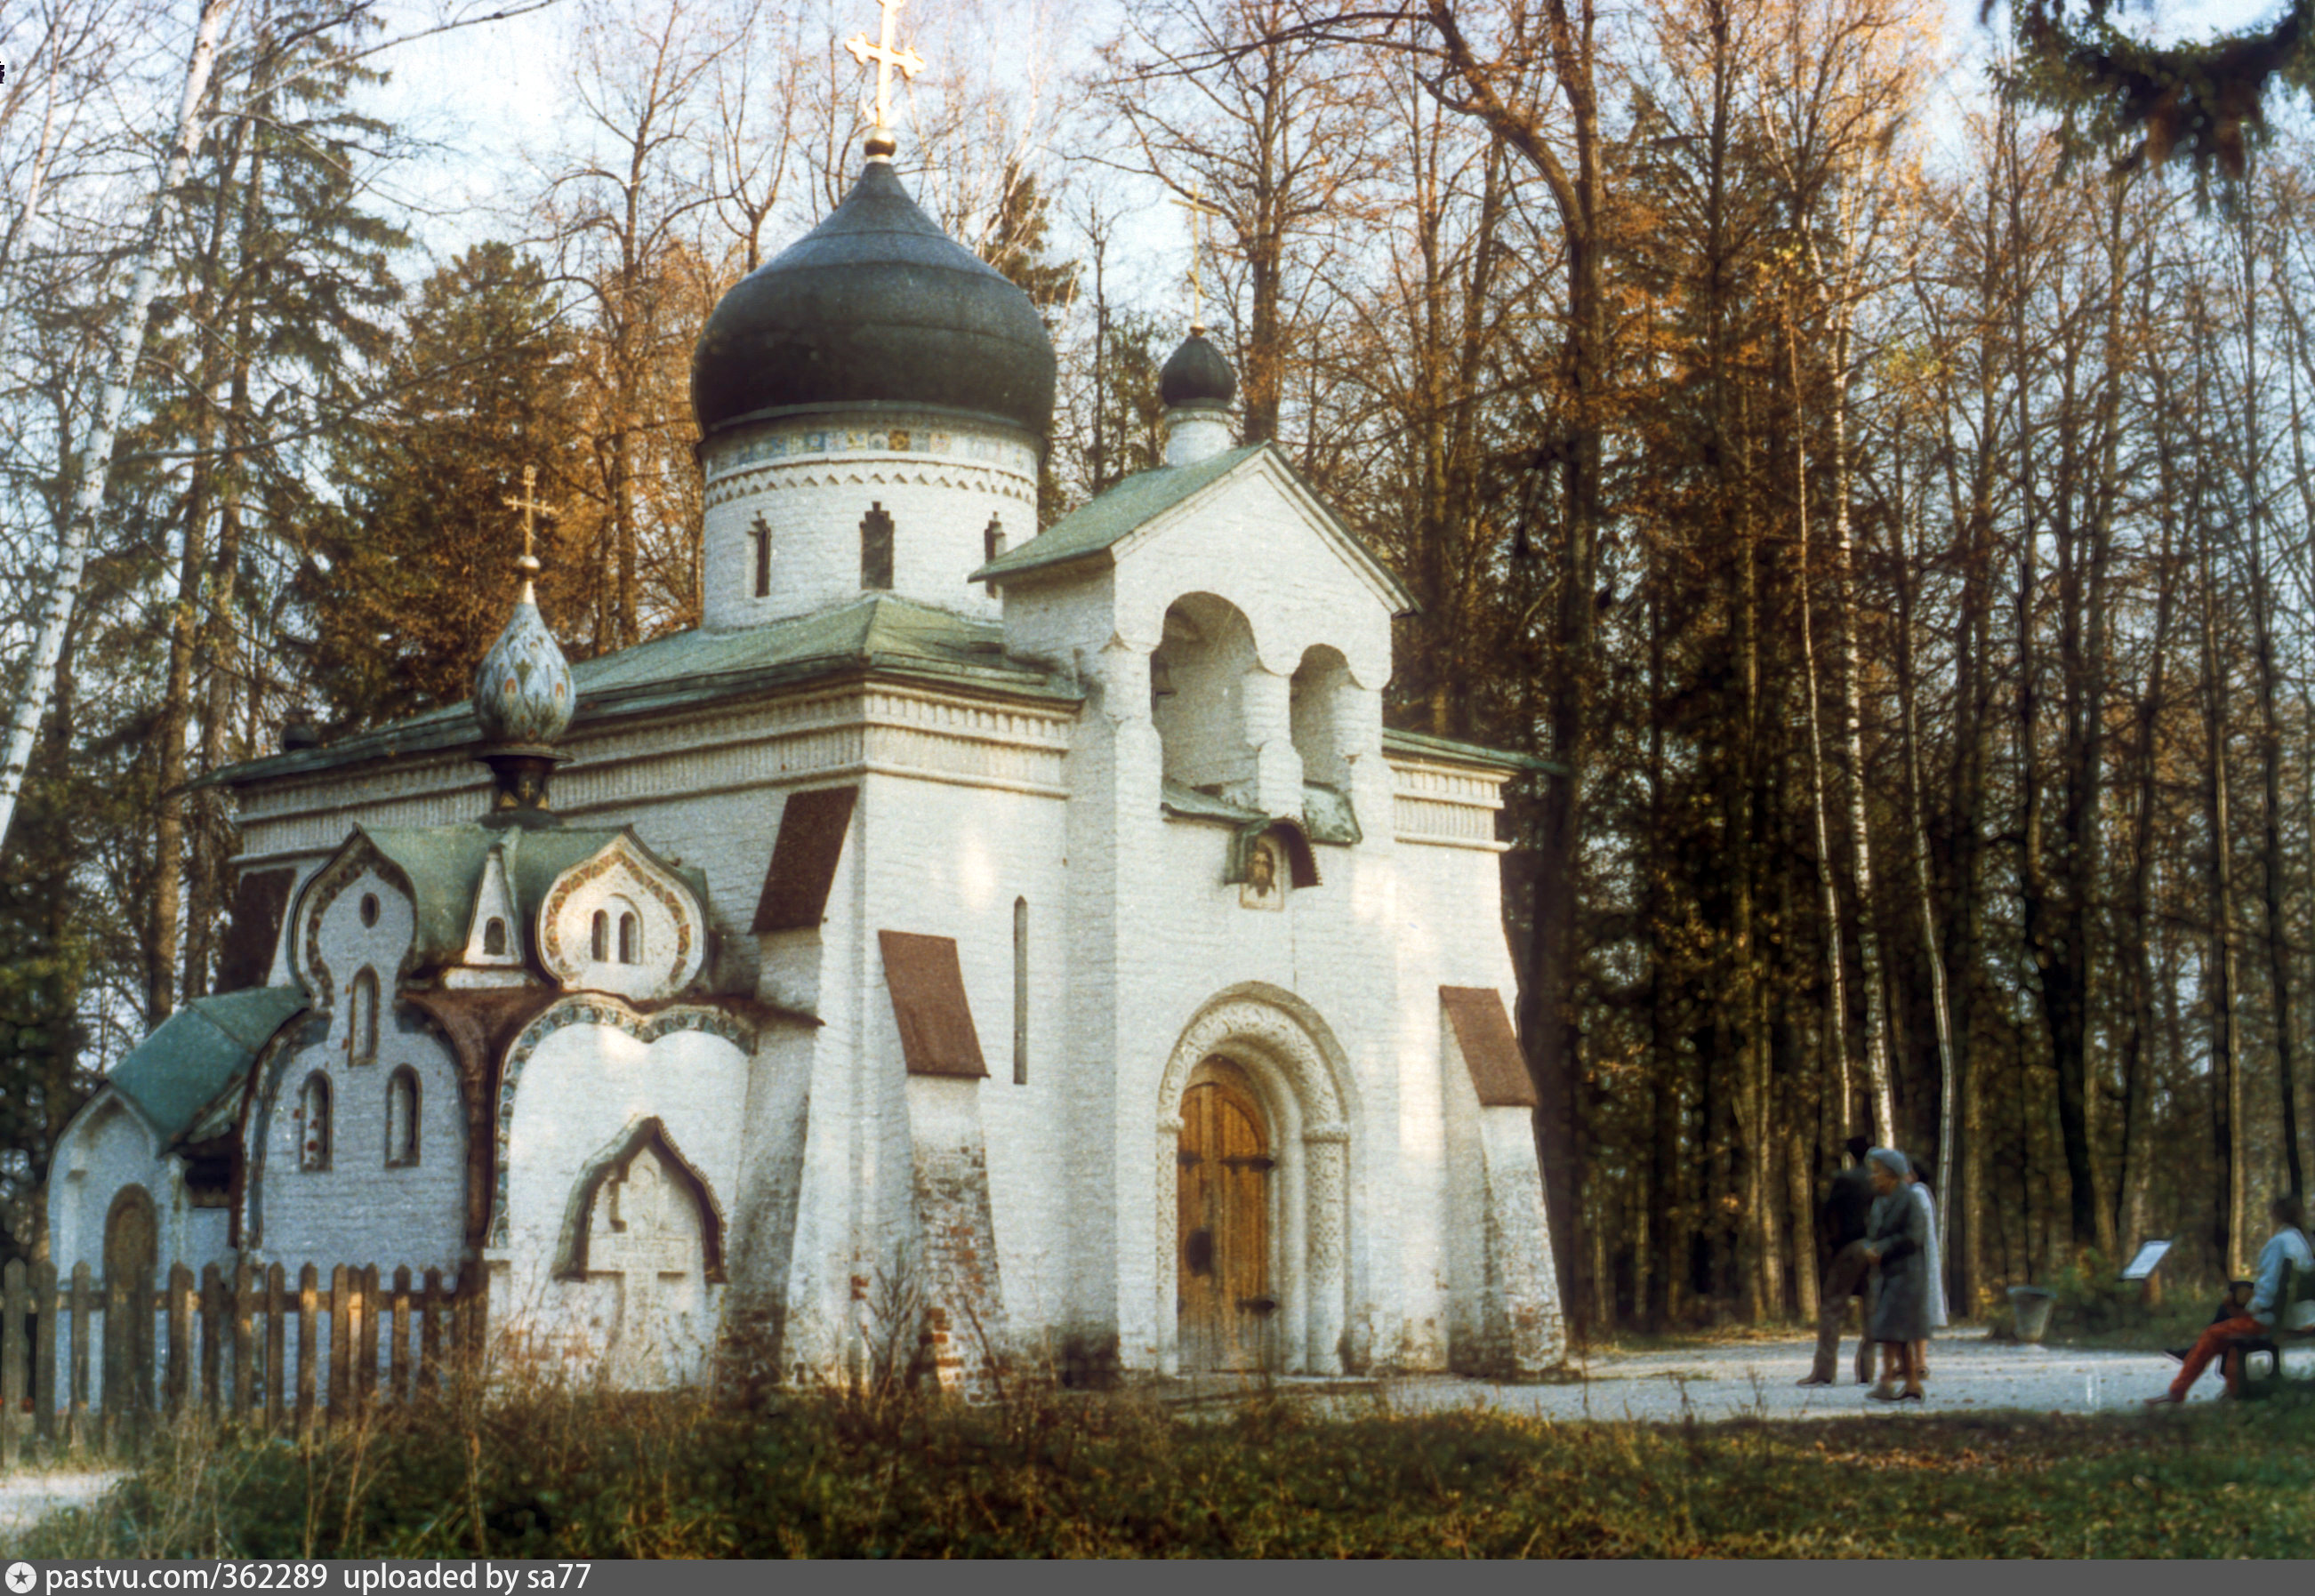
<point x="2287" y="1249"/>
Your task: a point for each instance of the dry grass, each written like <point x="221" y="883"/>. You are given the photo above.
<point x="550" y="1470"/>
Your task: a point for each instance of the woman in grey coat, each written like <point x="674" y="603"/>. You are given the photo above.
<point x="1896" y="1239"/>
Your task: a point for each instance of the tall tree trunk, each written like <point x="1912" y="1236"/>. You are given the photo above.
<point x="1836" y="997"/>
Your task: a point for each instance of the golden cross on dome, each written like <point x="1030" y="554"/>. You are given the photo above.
<point x="1199" y="211"/>
<point x="530" y="505"/>
<point x="886" y="58"/>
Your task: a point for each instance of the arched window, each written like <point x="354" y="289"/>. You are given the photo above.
<point x="313" y="1117"/>
<point x="1197" y="695"/>
<point x="494" y="939"/>
<point x="631" y="938"/>
<point x="361" y="1023"/>
<point x="876" y="547"/>
<point x="402" y="1118"/>
<point x="1020" y="991"/>
<point x="599" y="947"/>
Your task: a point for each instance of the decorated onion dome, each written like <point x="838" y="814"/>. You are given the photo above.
<point x="1198" y="374"/>
<point x="522" y="690"/>
<point x="523" y="693"/>
<point x="876" y="307"/>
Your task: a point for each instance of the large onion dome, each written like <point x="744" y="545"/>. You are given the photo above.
<point x="876" y="306"/>
<point x="1198" y="374"/>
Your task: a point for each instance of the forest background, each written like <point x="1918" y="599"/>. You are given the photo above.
<point x="1888" y="502"/>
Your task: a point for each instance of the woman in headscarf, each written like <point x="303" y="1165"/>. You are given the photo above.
<point x="1895" y="1238"/>
<point x="1932" y="1267"/>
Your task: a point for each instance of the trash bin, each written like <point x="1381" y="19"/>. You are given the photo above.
<point x="2030" y="1307"/>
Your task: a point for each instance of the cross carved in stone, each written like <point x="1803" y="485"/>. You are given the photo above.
<point x="886" y="58"/>
<point x="648" y="1235"/>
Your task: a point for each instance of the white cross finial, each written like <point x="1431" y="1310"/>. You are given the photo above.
<point x="1199" y="211"/>
<point x="886" y="58"/>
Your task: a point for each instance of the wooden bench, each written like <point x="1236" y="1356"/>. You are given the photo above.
<point x="2298" y="1294"/>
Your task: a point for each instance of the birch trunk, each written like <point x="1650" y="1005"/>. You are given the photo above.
<point x="1836" y="987"/>
<point x="97" y="457"/>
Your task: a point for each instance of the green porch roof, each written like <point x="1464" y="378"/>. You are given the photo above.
<point x="880" y="632"/>
<point x="1100" y="522"/>
<point x="197" y="1054"/>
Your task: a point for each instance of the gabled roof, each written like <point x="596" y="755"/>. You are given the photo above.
<point x="198" y="1053"/>
<point x="1096" y="528"/>
<point x="880" y="632"/>
<point x="444" y="866"/>
<point x="1424" y="746"/>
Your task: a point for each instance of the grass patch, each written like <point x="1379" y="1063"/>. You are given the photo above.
<point x="579" y="1475"/>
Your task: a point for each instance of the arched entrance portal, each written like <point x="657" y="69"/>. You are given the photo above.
<point x="1258" y="1092"/>
<point x="132" y="1234"/>
<point x="1223" y="1265"/>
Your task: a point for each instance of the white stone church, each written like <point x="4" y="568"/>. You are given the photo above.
<point x="973" y="941"/>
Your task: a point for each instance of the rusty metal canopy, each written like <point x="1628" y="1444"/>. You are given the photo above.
<point x="812" y="828"/>
<point x="928" y="987"/>
<point x="1491" y="1050"/>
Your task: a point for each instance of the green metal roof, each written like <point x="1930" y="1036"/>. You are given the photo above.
<point x="879" y="632"/>
<point x="196" y="1054"/>
<point x="1468" y="753"/>
<point x="1100" y="522"/>
<point x="444" y="865"/>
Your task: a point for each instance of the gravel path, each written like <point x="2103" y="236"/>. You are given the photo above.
<point x="1966" y="1371"/>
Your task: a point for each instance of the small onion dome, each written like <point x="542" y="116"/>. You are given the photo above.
<point x="875" y="306"/>
<point x="523" y="695"/>
<point x="1198" y="375"/>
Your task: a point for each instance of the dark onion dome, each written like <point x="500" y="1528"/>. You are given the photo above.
<point x="1197" y="375"/>
<point x="874" y="306"/>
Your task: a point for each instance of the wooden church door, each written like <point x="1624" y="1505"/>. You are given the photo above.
<point x="1223" y="1190"/>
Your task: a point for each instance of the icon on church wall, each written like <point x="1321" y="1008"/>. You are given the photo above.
<point x="1263" y="887"/>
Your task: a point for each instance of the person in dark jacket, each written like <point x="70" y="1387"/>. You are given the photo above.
<point x="1896" y="1240"/>
<point x="1848" y="1206"/>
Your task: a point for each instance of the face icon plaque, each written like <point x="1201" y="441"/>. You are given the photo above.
<point x="1262" y="887"/>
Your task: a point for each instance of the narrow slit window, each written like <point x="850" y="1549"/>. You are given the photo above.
<point x="494" y="941"/>
<point x="1020" y="991"/>
<point x="599" y="946"/>
<point x="761" y="531"/>
<point x="402" y="1118"/>
<point x="314" y="1114"/>
<point x="362" y="1028"/>
<point x="876" y="547"/>
<point x="631" y="939"/>
<point x="992" y="538"/>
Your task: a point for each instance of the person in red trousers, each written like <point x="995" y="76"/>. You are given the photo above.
<point x="2287" y="1246"/>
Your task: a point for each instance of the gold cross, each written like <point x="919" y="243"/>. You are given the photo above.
<point x="1199" y="211"/>
<point x="530" y="505"/>
<point x="886" y="58"/>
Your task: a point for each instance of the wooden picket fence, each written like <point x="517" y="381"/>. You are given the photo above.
<point x="400" y="1339"/>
